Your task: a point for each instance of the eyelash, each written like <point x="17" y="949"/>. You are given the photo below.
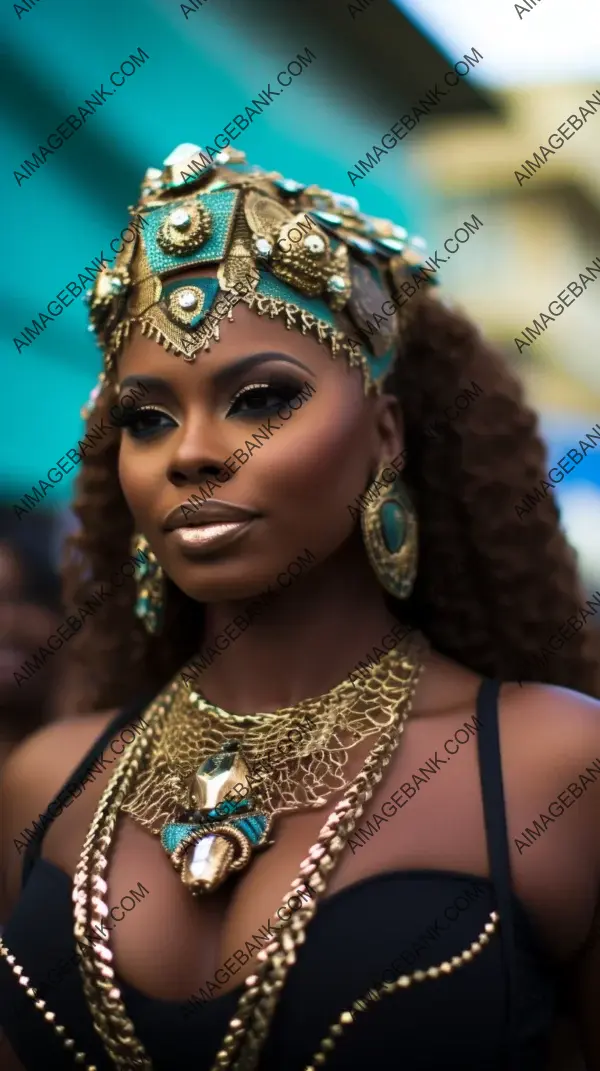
<point x="284" y="388"/>
<point x="142" y="426"/>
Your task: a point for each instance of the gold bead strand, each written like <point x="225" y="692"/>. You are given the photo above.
<point x="250" y="1025"/>
<point x="103" y="996"/>
<point x="69" y="1043"/>
<point x="347" y="1018"/>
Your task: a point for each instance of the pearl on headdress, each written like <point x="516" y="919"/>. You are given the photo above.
<point x="222" y="158"/>
<point x="314" y="243"/>
<point x="153" y="174"/>
<point x="419" y="243"/>
<point x="187" y="299"/>
<point x="399" y="232"/>
<point x="337" y="284"/>
<point x="263" y="247"/>
<point x="179" y="218"/>
<point x="116" y="284"/>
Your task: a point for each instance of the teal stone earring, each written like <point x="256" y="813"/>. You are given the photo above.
<point x="149" y="577"/>
<point x="390" y="533"/>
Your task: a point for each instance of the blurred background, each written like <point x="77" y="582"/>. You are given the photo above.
<point x="373" y="61"/>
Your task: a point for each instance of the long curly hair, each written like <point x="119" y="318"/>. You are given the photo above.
<point x="491" y="588"/>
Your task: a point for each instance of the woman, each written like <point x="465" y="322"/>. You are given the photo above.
<point x="244" y="833"/>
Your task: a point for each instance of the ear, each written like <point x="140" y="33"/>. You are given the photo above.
<point x="389" y="426"/>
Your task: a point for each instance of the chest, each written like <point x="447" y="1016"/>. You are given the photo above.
<point x="426" y="813"/>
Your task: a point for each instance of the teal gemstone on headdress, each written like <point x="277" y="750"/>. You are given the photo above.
<point x="221" y="207"/>
<point x="347" y="201"/>
<point x="364" y="244"/>
<point x="328" y="218"/>
<point x="172" y="834"/>
<point x="289" y="186"/>
<point x="381" y="367"/>
<point x="393" y="525"/>
<point x="391" y="245"/>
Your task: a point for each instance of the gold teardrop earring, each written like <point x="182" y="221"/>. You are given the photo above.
<point x="150" y="583"/>
<point x="390" y="533"/>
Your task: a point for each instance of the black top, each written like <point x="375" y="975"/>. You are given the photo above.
<point x="494" y="1014"/>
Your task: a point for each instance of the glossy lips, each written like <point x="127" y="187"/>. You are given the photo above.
<point x="212" y="525"/>
<point x="207" y="513"/>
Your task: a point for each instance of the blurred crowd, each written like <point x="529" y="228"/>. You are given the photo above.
<point x="30" y="610"/>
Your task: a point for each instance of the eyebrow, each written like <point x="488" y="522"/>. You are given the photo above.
<point x="243" y="365"/>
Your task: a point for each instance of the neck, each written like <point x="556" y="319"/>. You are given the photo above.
<point x="302" y="641"/>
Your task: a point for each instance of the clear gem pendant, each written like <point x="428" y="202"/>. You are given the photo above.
<point x="222" y="826"/>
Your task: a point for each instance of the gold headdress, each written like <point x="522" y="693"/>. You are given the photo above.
<point x="284" y="249"/>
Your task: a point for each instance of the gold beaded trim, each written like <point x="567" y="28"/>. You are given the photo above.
<point x="49" y="1016"/>
<point x="335" y="1031"/>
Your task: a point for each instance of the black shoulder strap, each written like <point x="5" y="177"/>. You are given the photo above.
<point x="117" y="724"/>
<point x="492" y="790"/>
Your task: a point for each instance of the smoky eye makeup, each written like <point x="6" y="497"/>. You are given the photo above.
<point x="145" y="421"/>
<point x="263" y="395"/>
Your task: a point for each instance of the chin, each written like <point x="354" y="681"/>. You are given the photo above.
<point x="223" y="582"/>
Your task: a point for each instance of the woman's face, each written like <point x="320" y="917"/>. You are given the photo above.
<point x="285" y="427"/>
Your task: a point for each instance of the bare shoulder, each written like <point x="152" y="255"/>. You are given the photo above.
<point x="34" y="774"/>
<point x="553" y="722"/>
<point x="551" y="737"/>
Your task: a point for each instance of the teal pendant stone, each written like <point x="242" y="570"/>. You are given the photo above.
<point x="393" y="526"/>
<point x="222" y="811"/>
<point x="172" y="835"/>
<point x="253" y="827"/>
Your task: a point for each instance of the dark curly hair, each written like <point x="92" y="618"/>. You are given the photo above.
<point x="491" y="588"/>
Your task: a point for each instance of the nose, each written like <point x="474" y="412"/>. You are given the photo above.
<point x="199" y="455"/>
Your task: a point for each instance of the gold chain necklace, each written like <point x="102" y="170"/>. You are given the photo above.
<point x="242" y="1044"/>
<point x="214" y="783"/>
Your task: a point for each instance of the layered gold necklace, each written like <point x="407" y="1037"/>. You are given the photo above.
<point x="384" y="706"/>
<point x="213" y="783"/>
<point x="192" y="747"/>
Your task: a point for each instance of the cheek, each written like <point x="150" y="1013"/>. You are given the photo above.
<point x="319" y="455"/>
<point x="139" y="482"/>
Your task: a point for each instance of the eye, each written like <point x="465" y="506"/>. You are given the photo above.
<point x="145" y="422"/>
<point x="262" y="397"/>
